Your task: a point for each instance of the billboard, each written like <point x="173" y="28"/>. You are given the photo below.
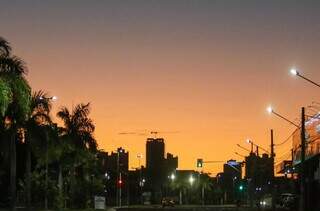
<point x="312" y="135"/>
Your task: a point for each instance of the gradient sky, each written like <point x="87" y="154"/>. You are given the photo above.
<point x="206" y="69"/>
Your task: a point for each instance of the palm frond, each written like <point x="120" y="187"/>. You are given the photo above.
<point x="80" y="111"/>
<point x="12" y="65"/>
<point x="64" y="115"/>
<point x="19" y="109"/>
<point x="5" y="48"/>
<point x="40" y="102"/>
<point x="5" y="96"/>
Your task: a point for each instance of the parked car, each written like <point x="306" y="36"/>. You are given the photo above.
<point x="167" y="202"/>
<point x="266" y="202"/>
<point x="289" y="200"/>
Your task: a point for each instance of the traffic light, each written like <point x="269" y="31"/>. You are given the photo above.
<point x="199" y="163"/>
<point x="241" y="187"/>
<point x="119" y="182"/>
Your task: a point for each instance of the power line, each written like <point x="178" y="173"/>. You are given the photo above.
<point x="284" y="155"/>
<point x="287" y="139"/>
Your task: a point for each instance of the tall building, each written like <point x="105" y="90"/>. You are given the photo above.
<point x="118" y="161"/>
<point x="259" y="174"/>
<point x="117" y="164"/>
<point x="171" y="163"/>
<point x="155" y="153"/>
<point x="259" y="169"/>
<point x="155" y="166"/>
<point x="158" y="167"/>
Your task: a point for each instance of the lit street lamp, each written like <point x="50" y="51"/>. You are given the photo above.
<point x="172" y="177"/>
<point x="271" y="111"/>
<point x="53" y="98"/>
<point x="303" y="146"/>
<point x="119" y="181"/>
<point x="253" y="144"/>
<point x="191" y="180"/>
<point x="295" y="72"/>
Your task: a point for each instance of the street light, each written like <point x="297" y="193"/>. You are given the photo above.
<point x="172" y="177"/>
<point x="53" y="98"/>
<point x="141" y="183"/>
<point x="270" y="110"/>
<point x="303" y="147"/>
<point x="253" y="144"/>
<point x="120" y="150"/>
<point x="250" y="142"/>
<point x="295" y="72"/>
<point x="191" y="180"/>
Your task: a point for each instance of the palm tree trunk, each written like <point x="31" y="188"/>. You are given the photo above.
<point x="13" y="171"/>
<point x="60" y="186"/>
<point x="28" y="173"/>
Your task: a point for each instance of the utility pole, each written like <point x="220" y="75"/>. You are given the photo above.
<point x="120" y="184"/>
<point x="117" y="182"/>
<point x="202" y="194"/>
<point x="273" y="179"/>
<point x="292" y="158"/>
<point x="302" y="168"/>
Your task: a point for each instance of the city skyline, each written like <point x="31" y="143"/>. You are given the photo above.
<point x="202" y="73"/>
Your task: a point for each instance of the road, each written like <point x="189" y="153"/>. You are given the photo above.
<point x="185" y="208"/>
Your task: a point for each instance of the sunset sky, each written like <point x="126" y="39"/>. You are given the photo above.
<point x="201" y="72"/>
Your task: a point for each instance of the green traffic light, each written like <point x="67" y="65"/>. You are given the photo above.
<point x="199" y="163"/>
<point x="241" y="187"/>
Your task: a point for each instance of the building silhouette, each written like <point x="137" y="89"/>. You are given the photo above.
<point x="158" y="167"/>
<point x="258" y="175"/>
<point x="232" y="173"/>
<point x="118" y="163"/>
<point x="171" y="163"/>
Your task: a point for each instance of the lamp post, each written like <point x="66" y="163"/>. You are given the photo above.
<point x="191" y="181"/>
<point x="302" y="170"/>
<point x="295" y="72"/>
<point x="139" y="156"/>
<point x="172" y="177"/>
<point x="253" y="144"/>
<point x="119" y="179"/>
<point x="234" y="180"/>
<point x="270" y="110"/>
<point x="302" y="206"/>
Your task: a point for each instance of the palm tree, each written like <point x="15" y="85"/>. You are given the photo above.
<point x="40" y="107"/>
<point x="78" y="127"/>
<point x="78" y="139"/>
<point x="14" y="103"/>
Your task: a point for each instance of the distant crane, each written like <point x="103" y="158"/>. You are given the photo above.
<point x="154" y="133"/>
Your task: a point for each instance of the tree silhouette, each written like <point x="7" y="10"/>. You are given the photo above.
<point x="40" y="107"/>
<point x="78" y="134"/>
<point x="14" y="103"/>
